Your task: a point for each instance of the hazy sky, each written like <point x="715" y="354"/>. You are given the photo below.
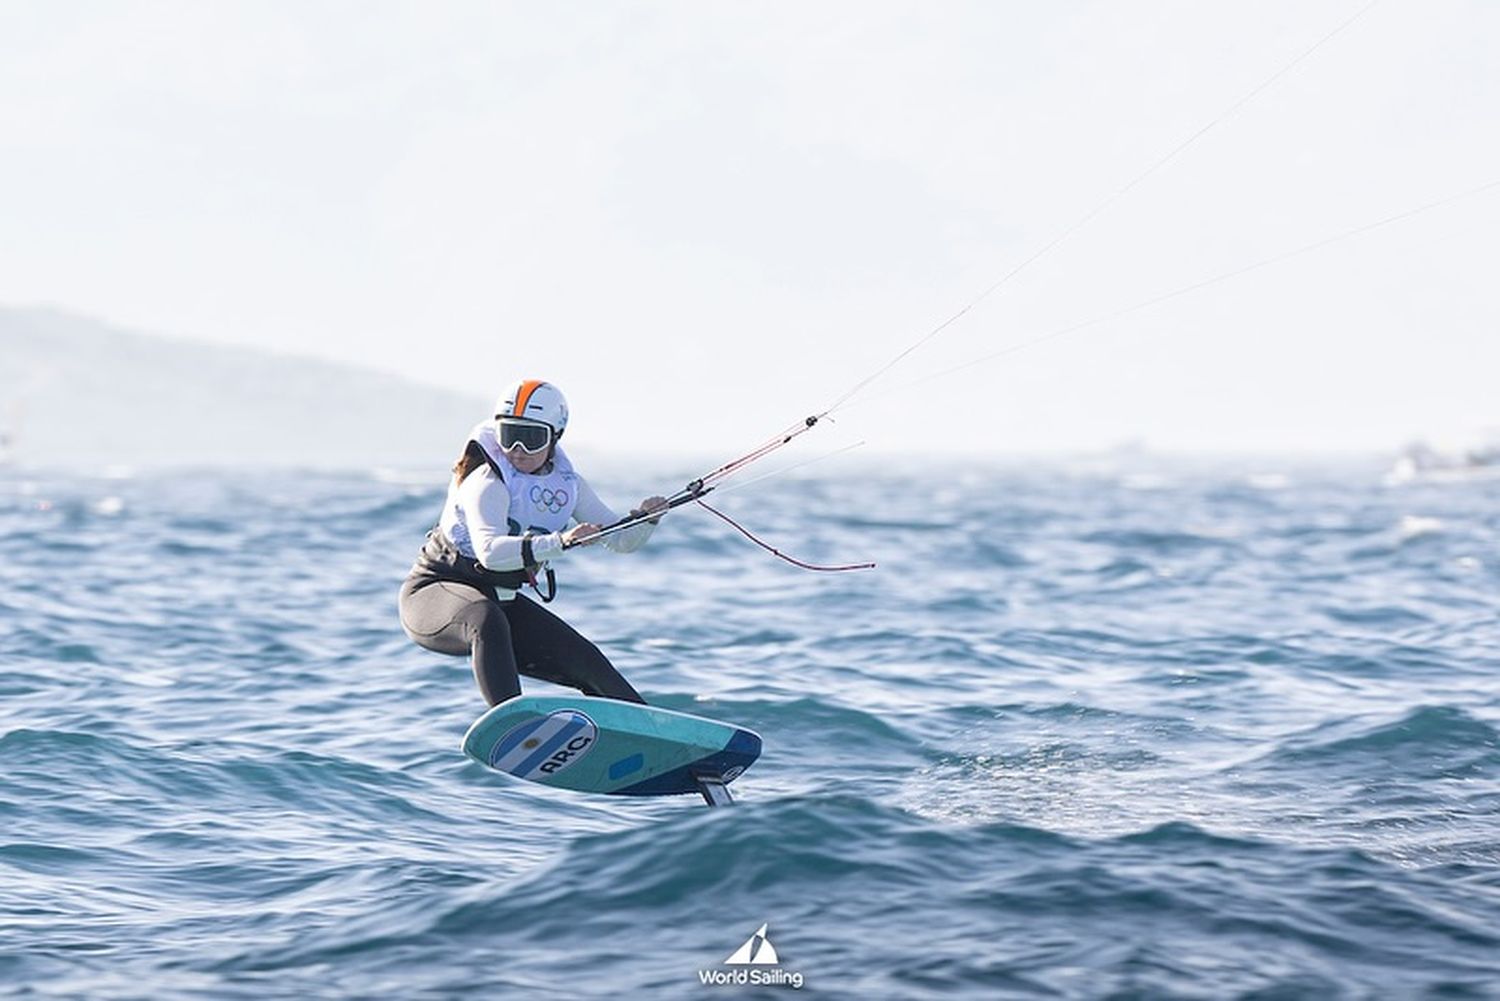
<point x="705" y="220"/>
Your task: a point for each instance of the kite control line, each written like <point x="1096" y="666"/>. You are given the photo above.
<point x="778" y="553"/>
<point x="695" y="490"/>
<point x="705" y="484"/>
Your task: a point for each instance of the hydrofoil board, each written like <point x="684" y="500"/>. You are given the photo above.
<point x="611" y="747"/>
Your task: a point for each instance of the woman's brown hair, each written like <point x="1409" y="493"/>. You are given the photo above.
<point x="471" y="460"/>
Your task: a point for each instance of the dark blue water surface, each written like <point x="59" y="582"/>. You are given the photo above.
<point x="1084" y="733"/>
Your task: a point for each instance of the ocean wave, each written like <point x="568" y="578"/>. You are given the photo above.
<point x="1436" y="739"/>
<point x="1197" y="740"/>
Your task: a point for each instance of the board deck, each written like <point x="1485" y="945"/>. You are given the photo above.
<point x="611" y="747"/>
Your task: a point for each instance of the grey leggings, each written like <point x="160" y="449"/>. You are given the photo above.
<point x="506" y="638"/>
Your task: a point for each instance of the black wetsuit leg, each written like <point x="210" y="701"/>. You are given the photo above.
<point x="548" y="648"/>
<point x="504" y="637"/>
<point x="448" y="617"/>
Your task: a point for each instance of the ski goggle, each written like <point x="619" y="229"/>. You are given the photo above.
<point x="530" y="435"/>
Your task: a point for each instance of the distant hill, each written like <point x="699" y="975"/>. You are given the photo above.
<point x="77" y="392"/>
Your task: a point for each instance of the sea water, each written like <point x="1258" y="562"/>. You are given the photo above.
<point x="1087" y="731"/>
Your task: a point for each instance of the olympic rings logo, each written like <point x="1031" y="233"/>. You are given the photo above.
<point x="549" y="500"/>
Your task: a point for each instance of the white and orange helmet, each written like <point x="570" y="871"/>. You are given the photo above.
<point x="535" y="400"/>
<point x="532" y="402"/>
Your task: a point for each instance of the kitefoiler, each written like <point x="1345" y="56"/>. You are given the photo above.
<point x="515" y="505"/>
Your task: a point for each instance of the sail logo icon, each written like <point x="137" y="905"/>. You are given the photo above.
<point x="757" y="951"/>
<point x="756" y="962"/>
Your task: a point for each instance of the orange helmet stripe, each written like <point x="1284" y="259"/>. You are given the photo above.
<point x="523" y="396"/>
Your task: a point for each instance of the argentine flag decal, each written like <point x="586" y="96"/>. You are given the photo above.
<point x="545" y="746"/>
